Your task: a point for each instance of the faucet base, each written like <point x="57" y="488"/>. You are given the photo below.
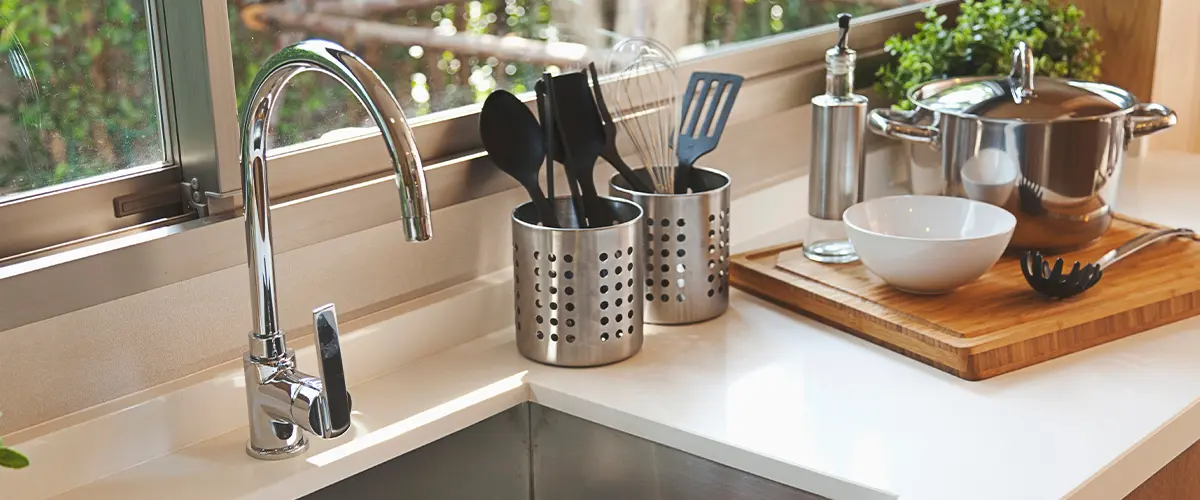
<point x="289" y="451"/>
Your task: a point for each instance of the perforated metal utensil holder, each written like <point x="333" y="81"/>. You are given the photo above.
<point x="578" y="290"/>
<point x="686" y="248"/>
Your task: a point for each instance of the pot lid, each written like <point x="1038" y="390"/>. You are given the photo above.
<point x="1022" y="97"/>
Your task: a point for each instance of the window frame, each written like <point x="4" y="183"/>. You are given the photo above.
<point x="137" y="198"/>
<point x="782" y="72"/>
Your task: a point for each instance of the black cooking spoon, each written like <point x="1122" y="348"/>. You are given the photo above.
<point x="514" y="142"/>
<point x="584" y="138"/>
<point x="1053" y="282"/>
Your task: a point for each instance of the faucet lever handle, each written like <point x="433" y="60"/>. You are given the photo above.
<point x="336" y="410"/>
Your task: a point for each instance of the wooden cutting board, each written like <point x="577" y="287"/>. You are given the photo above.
<point x="996" y="324"/>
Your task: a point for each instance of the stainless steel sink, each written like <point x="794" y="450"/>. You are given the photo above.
<point x="530" y="451"/>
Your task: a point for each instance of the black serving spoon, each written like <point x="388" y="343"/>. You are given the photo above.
<point x="583" y="138"/>
<point x="1051" y="281"/>
<point x="514" y="142"/>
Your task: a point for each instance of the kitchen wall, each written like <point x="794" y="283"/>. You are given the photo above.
<point x="70" y="362"/>
<point x="1177" y="74"/>
<point x="1152" y="48"/>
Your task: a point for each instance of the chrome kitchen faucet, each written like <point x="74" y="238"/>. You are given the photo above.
<point x="282" y="400"/>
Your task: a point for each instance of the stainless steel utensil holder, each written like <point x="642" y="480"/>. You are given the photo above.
<point x="578" y="291"/>
<point x="686" y="248"/>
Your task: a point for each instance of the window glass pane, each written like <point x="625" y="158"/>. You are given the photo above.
<point x="78" y="95"/>
<point x="438" y="55"/>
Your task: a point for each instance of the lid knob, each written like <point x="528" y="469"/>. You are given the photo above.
<point x="1022" y="71"/>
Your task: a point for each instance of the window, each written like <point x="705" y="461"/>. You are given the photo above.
<point x="79" y="94"/>
<point x="439" y="55"/>
<point x="120" y="116"/>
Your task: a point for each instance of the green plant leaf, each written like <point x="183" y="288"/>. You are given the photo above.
<point x="981" y="40"/>
<point x="12" y="459"/>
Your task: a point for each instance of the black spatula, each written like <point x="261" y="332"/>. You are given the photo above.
<point x="708" y="96"/>
<point x="584" y="138"/>
<point x="559" y="151"/>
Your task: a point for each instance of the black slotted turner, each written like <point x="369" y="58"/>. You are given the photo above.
<point x="714" y="92"/>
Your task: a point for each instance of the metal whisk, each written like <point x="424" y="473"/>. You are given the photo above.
<point x="647" y="109"/>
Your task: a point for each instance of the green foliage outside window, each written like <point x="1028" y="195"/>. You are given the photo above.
<point x="78" y="95"/>
<point x="981" y="40"/>
<point x="85" y="99"/>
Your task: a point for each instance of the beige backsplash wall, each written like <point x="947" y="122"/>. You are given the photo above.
<point x="1177" y="74"/>
<point x="70" y="362"/>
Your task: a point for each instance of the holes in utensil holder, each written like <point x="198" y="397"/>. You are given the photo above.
<point x="551" y="311"/>
<point x="553" y="300"/>
<point x="718" y="252"/>
<point x="669" y="246"/>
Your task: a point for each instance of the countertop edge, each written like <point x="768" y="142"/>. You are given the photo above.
<point x="1147" y="457"/>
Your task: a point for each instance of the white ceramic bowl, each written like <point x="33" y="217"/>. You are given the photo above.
<point x="928" y="244"/>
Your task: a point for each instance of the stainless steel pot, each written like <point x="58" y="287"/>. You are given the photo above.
<point x="1049" y="150"/>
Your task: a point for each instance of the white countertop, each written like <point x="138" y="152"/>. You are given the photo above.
<point x="760" y="389"/>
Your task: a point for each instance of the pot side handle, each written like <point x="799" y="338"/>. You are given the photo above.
<point x="899" y="125"/>
<point x="1148" y="118"/>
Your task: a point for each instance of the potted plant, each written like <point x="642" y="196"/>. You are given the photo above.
<point x="979" y="42"/>
<point x="11" y="458"/>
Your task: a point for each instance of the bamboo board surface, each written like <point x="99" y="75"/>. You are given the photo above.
<point x="996" y="324"/>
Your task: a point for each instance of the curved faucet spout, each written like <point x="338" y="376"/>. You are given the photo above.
<point x="281" y="401"/>
<point x="331" y="59"/>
